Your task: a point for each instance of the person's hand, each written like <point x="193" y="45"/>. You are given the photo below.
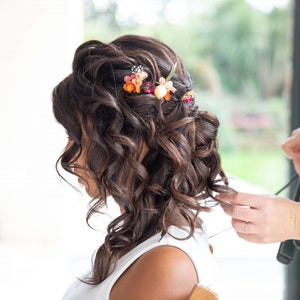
<point x="262" y="218"/>
<point x="291" y="148"/>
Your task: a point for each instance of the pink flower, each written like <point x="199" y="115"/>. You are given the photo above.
<point x="134" y="82"/>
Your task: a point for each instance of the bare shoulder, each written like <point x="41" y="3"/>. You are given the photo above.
<point x="163" y="273"/>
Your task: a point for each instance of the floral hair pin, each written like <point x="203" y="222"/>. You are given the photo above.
<point x="165" y="87"/>
<point x="188" y="97"/>
<point x="162" y="91"/>
<point x="134" y="81"/>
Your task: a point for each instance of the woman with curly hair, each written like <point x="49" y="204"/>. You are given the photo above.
<point x="136" y="136"/>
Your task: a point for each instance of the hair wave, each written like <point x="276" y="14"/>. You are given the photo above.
<point x="181" y="163"/>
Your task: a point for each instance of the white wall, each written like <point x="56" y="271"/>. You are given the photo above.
<point x="38" y="39"/>
<point x="37" y="211"/>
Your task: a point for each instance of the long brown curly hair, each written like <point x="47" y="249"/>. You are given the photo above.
<point x="181" y="164"/>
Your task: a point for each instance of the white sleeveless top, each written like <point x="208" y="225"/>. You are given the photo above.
<point x="197" y="248"/>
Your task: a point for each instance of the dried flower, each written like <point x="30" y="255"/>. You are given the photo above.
<point x="163" y="90"/>
<point x="134" y="81"/>
<point x="188" y="97"/>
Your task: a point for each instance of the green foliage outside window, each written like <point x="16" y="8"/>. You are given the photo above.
<point x="240" y="60"/>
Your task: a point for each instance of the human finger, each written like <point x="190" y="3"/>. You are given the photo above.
<point x="288" y="147"/>
<point x="242" y="227"/>
<point x="241" y="199"/>
<point x="296" y="162"/>
<point x="242" y="213"/>
<point x="296" y="131"/>
<point x="249" y="232"/>
<point x="291" y="146"/>
<point x="253" y="238"/>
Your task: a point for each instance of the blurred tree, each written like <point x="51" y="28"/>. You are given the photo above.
<point x="229" y="46"/>
<point x="275" y="54"/>
<point x="232" y="44"/>
<point x="250" y="48"/>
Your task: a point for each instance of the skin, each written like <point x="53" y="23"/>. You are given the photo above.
<point x="263" y="218"/>
<point x="291" y="148"/>
<point x="164" y="273"/>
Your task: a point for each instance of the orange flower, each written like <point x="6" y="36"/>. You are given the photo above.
<point x="168" y="96"/>
<point x="129" y="87"/>
<point x="134" y="81"/>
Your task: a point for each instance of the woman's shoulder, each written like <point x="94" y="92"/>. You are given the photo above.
<point x="165" y="272"/>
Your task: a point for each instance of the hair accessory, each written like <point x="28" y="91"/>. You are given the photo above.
<point x="165" y="87"/>
<point x="134" y="81"/>
<point x="188" y="97"/>
<point x="162" y="91"/>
